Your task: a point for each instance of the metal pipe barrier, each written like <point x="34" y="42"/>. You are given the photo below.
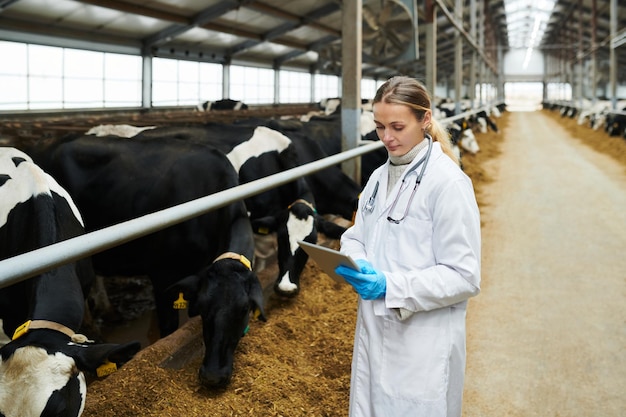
<point x="32" y="263"/>
<point x="29" y="264"/>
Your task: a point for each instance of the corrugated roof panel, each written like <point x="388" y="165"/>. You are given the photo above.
<point x="135" y="25"/>
<point x="268" y="49"/>
<point x="304" y="35"/>
<point x="249" y="20"/>
<point x="43" y="10"/>
<point x="217" y="40"/>
<point x="332" y="20"/>
<point x="188" y="7"/>
<point x="298" y="7"/>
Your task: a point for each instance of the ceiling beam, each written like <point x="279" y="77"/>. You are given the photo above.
<point x="308" y="20"/>
<point x="294" y="22"/>
<point x="6" y="3"/>
<point x="202" y="18"/>
<point x="122" y="6"/>
<point x="254" y="37"/>
<point x="37" y="28"/>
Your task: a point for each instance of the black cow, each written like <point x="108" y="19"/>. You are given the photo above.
<point x="289" y="210"/>
<point x="116" y="179"/>
<point x="615" y="124"/>
<point x="41" y="369"/>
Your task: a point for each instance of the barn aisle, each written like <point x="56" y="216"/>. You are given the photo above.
<point x="547" y="336"/>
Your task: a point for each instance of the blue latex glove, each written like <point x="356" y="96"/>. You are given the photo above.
<point x="366" y="266"/>
<point x="369" y="285"/>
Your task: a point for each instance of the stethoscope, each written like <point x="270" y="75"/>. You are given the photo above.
<point x="423" y="162"/>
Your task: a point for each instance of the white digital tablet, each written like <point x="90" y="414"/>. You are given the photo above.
<point x="328" y="259"/>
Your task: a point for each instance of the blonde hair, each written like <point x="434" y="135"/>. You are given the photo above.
<point x="413" y="94"/>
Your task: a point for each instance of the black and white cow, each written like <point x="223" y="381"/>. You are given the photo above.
<point x="326" y="132"/>
<point x="597" y="114"/>
<point x="223" y="104"/>
<point x="484" y="121"/>
<point x="116" y="179"/>
<point x="616" y="124"/>
<point x="41" y="368"/>
<point x="461" y="133"/>
<point x="289" y="210"/>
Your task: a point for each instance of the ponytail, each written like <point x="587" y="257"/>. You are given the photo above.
<point x="441" y="135"/>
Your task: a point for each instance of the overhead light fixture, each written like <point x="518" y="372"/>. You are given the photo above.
<point x="532" y="41"/>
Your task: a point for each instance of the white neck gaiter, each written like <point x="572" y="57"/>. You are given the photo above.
<point x="398" y="164"/>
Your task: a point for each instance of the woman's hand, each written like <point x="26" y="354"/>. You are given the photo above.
<point x="369" y="283"/>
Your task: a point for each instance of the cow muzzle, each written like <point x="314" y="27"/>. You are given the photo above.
<point x="215" y="379"/>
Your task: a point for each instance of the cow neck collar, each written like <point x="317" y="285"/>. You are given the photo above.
<point x="50" y="325"/>
<point x="235" y="256"/>
<point x="303" y="201"/>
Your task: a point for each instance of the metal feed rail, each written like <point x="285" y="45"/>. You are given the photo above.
<point x="27" y="265"/>
<point x="20" y="267"/>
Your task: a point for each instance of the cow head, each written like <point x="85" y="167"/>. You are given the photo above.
<point x="41" y="372"/>
<point x="296" y="223"/>
<point x="300" y="221"/>
<point x="468" y="141"/>
<point x="461" y="134"/>
<point x="223" y="294"/>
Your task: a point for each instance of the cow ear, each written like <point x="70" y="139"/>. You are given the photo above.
<point x="188" y="288"/>
<point x="256" y="298"/>
<point x="330" y="229"/>
<point x="88" y="358"/>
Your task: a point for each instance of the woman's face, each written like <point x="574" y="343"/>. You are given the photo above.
<point x="398" y="128"/>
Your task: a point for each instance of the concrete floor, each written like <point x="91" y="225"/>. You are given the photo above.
<point x="547" y="334"/>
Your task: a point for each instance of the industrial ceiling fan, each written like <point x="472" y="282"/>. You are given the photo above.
<point x="387" y="30"/>
<point x="387" y="33"/>
<point x="329" y="56"/>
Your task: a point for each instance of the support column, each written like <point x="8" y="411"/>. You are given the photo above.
<point x="431" y="47"/>
<point x="146" y="82"/>
<point x="546" y="77"/>
<point x="612" y="56"/>
<point x="458" y="58"/>
<point x="500" y="88"/>
<point x="276" y="84"/>
<point x="579" y="87"/>
<point x="226" y="81"/>
<point x="482" y="64"/>
<point x="594" y="28"/>
<point x="472" y="76"/>
<point x="351" y="52"/>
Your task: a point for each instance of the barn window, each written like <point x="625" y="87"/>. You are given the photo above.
<point x="295" y="87"/>
<point x="326" y="86"/>
<point x="251" y="85"/>
<point x="46" y="77"/>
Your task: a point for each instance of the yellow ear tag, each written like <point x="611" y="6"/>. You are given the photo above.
<point x="21" y="331"/>
<point x="263" y="230"/>
<point x="245" y="261"/>
<point x="181" y="303"/>
<point x="105" y="369"/>
<point x="256" y="313"/>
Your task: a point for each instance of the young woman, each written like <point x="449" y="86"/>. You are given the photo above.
<point x="416" y="237"/>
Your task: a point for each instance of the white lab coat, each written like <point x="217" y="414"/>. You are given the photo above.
<point x="415" y="366"/>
